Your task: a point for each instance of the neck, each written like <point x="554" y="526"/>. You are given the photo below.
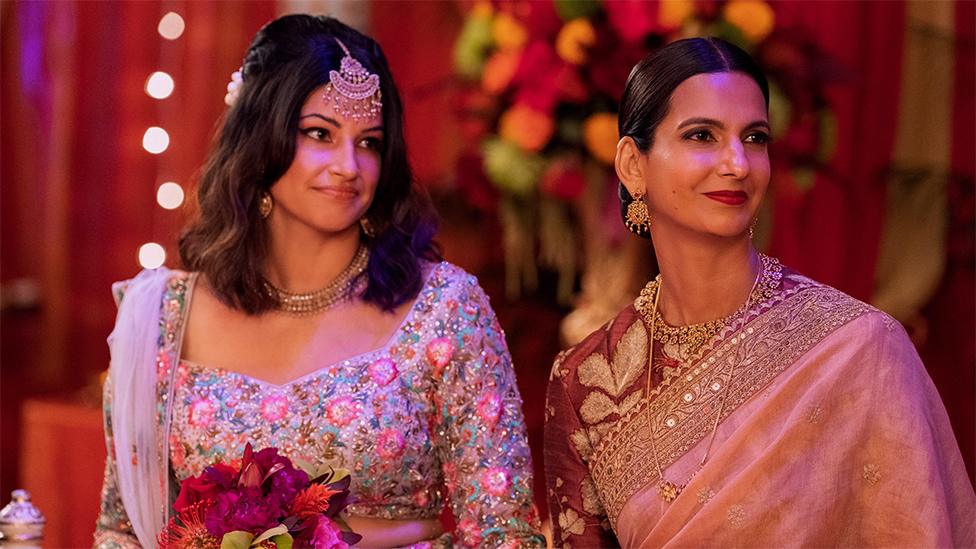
<point x="302" y="259"/>
<point x="703" y="277"/>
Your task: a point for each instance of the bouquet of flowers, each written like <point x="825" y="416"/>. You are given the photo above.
<point x="262" y="500"/>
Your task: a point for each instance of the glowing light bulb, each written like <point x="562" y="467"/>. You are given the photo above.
<point x="155" y="140"/>
<point x="171" y="26"/>
<point x="159" y="85"/>
<point x="170" y="195"/>
<point x="151" y="255"/>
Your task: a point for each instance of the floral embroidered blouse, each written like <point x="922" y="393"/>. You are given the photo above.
<point x="433" y="417"/>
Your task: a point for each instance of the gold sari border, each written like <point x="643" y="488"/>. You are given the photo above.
<point x="683" y="411"/>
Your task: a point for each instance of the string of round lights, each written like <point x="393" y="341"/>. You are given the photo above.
<point x="156" y="140"/>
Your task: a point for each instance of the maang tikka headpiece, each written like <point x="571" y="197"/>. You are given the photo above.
<point x="353" y="91"/>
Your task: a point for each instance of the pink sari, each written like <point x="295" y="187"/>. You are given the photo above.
<point x="832" y="435"/>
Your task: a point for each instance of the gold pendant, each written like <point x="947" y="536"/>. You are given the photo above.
<point x="669" y="491"/>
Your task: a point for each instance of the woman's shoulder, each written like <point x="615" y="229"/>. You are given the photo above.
<point x="449" y="280"/>
<point x="626" y="328"/>
<point x="173" y="280"/>
<point x="872" y="324"/>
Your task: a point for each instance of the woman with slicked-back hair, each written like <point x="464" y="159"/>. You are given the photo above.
<point x="315" y="316"/>
<point x="738" y="403"/>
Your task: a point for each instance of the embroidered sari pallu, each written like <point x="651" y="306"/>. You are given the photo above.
<point x="831" y="434"/>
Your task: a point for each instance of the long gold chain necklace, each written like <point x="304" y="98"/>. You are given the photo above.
<point x="668" y="490"/>
<point x="348" y="283"/>
<point x="691" y="338"/>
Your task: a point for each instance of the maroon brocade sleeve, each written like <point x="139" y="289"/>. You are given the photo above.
<point x="578" y="519"/>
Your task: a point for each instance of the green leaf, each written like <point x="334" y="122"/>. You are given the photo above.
<point x="283" y="541"/>
<point x="238" y="539"/>
<point x="270" y="532"/>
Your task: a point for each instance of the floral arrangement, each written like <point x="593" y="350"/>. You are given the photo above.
<point x="264" y="501"/>
<point x="544" y="79"/>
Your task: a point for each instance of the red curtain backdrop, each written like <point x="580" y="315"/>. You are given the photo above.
<point x="78" y="193"/>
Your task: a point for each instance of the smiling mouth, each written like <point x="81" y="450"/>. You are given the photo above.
<point x="338" y="192"/>
<point x="732" y="198"/>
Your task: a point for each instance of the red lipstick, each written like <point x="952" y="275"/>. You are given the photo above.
<point x="732" y="198"/>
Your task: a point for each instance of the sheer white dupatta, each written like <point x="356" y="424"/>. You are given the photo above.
<point x="142" y="472"/>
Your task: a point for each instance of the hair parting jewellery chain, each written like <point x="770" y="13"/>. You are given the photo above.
<point x="667" y="489"/>
<point x="353" y="91"/>
<point x="346" y="285"/>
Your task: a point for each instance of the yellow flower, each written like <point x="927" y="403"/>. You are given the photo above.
<point x="574" y="39"/>
<point x="508" y="33"/>
<point x="755" y="18"/>
<point x="499" y="70"/>
<point x="672" y="13"/>
<point x="526" y="127"/>
<point x="600" y="136"/>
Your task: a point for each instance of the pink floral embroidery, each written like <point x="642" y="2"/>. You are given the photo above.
<point x="341" y="411"/>
<point x="470" y="531"/>
<point x="274" y="407"/>
<point x="202" y="413"/>
<point x="439" y="353"/>
<point x="389" y="443"/>
<point x="383" y="371"/>
<point x="495" y="480"/>
<point x="490" y="408"/>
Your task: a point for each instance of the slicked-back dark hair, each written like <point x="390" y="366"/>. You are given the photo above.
<point x="647" y="96"/>
<point x="288" y="59"/>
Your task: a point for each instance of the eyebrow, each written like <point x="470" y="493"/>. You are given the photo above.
<point x="712" y="122"/>
<point x="336" y="123"/>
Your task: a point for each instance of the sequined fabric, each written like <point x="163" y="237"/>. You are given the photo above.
<point x="431" y="418"/>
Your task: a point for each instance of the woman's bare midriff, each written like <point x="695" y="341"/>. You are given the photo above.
<point x="394" y="533"/>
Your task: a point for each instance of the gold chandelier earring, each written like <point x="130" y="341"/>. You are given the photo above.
<point x="638" y="218"/>
<point x="265" y="205"/>
<point x="367" y="227"/>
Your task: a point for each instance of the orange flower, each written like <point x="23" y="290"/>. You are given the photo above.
<point x="753" y="17"/>
<point x="187" y="531"/>
<point x="312" y="501"/>
<point x="674" y="12"/>
<point x="526" y="127"/>
<point x="600" y="136"/>
<point x="508" y="33"/>
<point x="499" y="71"/>
<point x="574" y="39"/>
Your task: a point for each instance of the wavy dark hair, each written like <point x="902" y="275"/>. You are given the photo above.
<point x="288" y="59"/>
<point x="647" y="96"/>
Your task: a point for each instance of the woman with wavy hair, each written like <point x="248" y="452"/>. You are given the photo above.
<point x="738" y="403"/>
<point x="315" y="315"/>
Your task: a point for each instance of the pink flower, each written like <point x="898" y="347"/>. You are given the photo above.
<point x="389" y="443"/>
<point x="274" y="407"/>
<point x="383" y="371"/>
<point x="327" y="535"/>
<point x="495" y="481"/>
<point x="202" y="413"/>
<point x="342" y="410"/>
<point x="490" y="408"/>
<point x="439" y="353"/>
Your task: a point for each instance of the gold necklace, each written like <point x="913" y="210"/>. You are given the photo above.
<point x="668" y="490"/>
<point x="691" y="338"/>
<point x="348" y="283"/>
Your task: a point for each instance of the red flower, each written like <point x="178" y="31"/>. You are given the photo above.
<point x="187" y="531"/>
<point x="213" y="481"/>
<point x="312" y="501"/>
<point x="632" y="19"/>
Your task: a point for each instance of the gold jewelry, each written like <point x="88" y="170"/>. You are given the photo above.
<point x="368" y="228"/>
<point x="691" y="338"/>
<point x="347" y="284"/>
<point x="638" y="219"/>
<point x="669" y="491"/>
<point x="265" y="205"/>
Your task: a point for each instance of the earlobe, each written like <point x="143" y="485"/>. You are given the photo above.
<point x="628" y="165"/>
